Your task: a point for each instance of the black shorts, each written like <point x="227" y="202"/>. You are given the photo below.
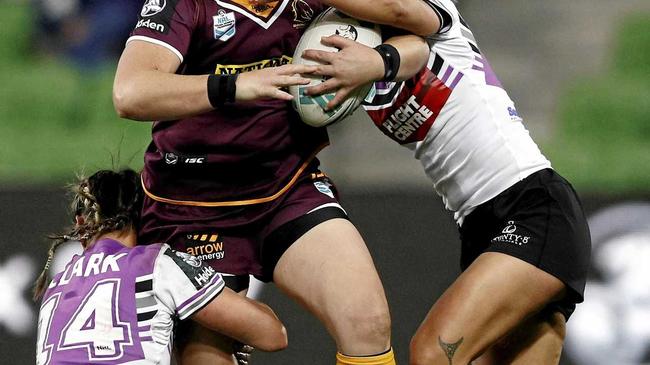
<point x="538" y="220"/>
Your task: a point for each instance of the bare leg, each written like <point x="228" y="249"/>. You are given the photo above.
<point x="495" y="295"/>
<point x="203" y="346"/>
<point x="538" y="341"/>
<point x="330" y="272"/>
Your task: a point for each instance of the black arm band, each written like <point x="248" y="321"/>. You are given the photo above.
<point x="221" y="89"/>
<point x="390" y="56"/>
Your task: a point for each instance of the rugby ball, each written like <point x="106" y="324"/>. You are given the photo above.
<point x="330" y="22"/>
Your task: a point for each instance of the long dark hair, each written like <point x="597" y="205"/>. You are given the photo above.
<point x="107" y="201"/>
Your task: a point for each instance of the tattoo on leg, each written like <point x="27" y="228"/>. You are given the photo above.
<point x="449" y="348"/>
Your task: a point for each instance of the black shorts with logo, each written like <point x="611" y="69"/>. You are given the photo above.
<point x="538" y="220"/>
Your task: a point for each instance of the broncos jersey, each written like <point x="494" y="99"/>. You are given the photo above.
<point x="244" y="152"/>
<point x="117" y="305"/>
<point x="457" y="119"/>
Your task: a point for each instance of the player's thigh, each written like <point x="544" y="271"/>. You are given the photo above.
<point x="197" y="345"/>
<point x="493" y="296"/>
<point x="330" y="271"/>
<point x="205" y="347"/>
<point x="538" y="340"/>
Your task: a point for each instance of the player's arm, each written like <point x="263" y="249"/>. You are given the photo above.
<point x="245" y="320"/>
<point x="356" y="64"/>
<point x="414" y="16"/>
<point x="147" y="88"/>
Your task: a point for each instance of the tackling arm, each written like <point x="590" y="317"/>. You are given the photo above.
<point x="245" y="320"/>
<point x="356" y="64"/>
<point x="412" y="15"/>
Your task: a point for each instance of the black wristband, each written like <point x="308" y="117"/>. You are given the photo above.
<point x="221" y="89"/>
<point x="390" y="56"/>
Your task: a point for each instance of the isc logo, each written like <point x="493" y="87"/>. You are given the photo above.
<point x="195" y="160"/>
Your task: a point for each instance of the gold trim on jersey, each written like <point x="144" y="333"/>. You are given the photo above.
<point x="233" y="203"/>
<point x="271" y="62"/>
<point x="262" y="8"/>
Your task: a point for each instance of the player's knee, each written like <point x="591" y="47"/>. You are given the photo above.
<point x="372" y="324"/>
<point x="364" y="330"/>
<point x="423" y="352"/>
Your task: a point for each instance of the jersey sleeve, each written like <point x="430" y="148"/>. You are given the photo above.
<point x="183" y="283"/>
<point x="168" y="23"/>
<point x="446" y="12"/>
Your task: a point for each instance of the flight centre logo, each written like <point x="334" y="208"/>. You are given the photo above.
<point x="205" y="246"/>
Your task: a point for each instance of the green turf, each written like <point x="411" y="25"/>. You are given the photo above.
<point x="56" y="121"/>
<point x="603" y="139"/>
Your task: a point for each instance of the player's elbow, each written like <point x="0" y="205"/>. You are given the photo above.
<point x="395" y="9"/>
<point x="125" y="102"/>
<point x="418" y="18"/>
<point x="276" y="340"/>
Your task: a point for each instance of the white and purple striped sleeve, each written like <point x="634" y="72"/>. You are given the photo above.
<point x="183" y="283"/>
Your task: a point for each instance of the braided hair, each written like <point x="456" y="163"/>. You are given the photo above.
<point x="107" y="201"/>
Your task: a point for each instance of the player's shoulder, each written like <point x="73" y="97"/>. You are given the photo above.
<point x="145" y="254"/>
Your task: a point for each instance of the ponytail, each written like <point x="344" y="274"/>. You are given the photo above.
<point x="107" y="201"/>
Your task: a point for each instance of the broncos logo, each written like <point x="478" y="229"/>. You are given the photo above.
<point x="347" y="31"/>
<point x="152" y="7"/>
<point x="302" y="13"/>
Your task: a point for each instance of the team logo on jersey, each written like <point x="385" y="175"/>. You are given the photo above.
<point x="262" y="12"/>
<point x="324" y="188"/>
<point x="512" y="112"/>
<point x="189" y="259"/>
<point x="235" y="69"/>
<point x="199" y="274"/>
<point x="153" y="7"/>
<point x="347" y="31"/>
<point x="224" y="25"/>
<point x="302" y="14"/>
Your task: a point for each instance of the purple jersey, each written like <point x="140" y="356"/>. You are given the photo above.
<point x="117" y="305"/>
<point x="241" y="153"/>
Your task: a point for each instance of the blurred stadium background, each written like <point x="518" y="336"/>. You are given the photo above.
<point x="579" y="71"/>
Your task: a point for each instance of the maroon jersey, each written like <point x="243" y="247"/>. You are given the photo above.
<point x="241" y="153"/>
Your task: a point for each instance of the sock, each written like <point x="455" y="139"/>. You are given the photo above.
<point x="385" y="358"/>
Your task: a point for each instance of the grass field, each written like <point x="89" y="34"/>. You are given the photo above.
<point x="603" y="140"/>
<point x="55" y="120"/>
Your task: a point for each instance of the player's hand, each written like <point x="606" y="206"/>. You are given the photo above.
<point x="242" y="352"/>
<point x="351" y="67"/>
<point x="268" y="82"/>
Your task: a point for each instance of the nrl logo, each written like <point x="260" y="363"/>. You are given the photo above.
<point x="153" y="7"/>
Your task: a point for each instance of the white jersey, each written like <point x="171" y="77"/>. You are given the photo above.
<point x="457" y="119"/>
<point x="118" y="305"/>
